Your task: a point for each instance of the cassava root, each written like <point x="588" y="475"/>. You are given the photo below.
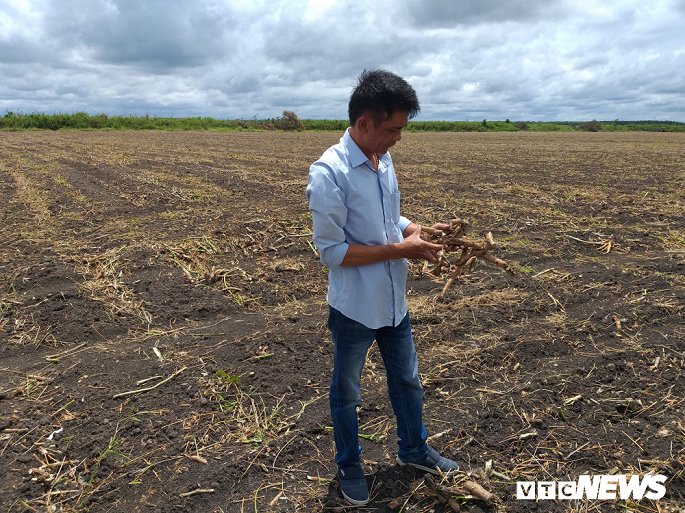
<point x="453" y="240"/>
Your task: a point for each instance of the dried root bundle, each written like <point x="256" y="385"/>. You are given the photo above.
<point x="468" y="251"/>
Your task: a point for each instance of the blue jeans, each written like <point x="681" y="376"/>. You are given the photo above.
<point x="351" y="343"/>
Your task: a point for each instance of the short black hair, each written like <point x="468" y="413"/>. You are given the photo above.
<point x="382" y="93"/>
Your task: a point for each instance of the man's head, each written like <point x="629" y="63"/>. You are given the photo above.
<point x="379" y="109"/>
<point x="380" y="94"/>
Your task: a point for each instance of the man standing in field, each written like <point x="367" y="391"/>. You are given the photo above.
<point x="361" y="237"/>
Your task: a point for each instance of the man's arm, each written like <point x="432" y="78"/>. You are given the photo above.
<point x="329" y="214"/>
<point x="412" y="247"/>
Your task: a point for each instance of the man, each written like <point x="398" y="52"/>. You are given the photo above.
<point x="363" y="240"/>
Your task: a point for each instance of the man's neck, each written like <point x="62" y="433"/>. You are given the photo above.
<point x="356" y="137"/>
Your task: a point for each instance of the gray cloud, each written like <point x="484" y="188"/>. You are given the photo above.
<point x="467" y="60"/>
<point x="20" y="50"/>
<point x="155" y="34"/>
<point x="334" y="47"/>
<point x="449" y="13"/>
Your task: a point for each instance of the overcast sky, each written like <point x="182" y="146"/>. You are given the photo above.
<point x="467" y="59"/>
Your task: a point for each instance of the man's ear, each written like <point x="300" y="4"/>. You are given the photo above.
<point x="363" y="124"/>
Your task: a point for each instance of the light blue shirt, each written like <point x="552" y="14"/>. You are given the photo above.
<point x="352" y="204"/>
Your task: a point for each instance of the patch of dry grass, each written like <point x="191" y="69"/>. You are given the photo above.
<point x="103" y="280"/>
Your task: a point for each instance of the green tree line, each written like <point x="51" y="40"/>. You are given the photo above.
<point x="289" y="121"/>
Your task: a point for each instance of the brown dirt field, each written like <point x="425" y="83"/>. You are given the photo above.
<point x="183" y="262"/>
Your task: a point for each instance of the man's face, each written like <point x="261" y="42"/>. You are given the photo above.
<point x="378" y="139"/>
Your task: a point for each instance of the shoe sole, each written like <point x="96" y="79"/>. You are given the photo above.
<point x="433" y="471"/>
<point x="352" y="501"/>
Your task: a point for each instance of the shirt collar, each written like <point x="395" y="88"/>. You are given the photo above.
<point x="357" y="157"/>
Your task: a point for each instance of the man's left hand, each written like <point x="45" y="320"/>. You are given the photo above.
<point x="440" y="226"/>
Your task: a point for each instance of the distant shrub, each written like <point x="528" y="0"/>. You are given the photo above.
<point x="522" y="125"/>
<point x="288" y="121"/>
<point x="591" y="126"/>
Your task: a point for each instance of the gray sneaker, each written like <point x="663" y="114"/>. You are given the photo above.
<point x="431" y="462"/>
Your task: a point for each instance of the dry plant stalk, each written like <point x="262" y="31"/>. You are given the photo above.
<point x="454" y="240"/>
<point x="464" y="490"/>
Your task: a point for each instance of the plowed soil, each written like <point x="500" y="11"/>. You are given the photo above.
<point x="163" y="340"/>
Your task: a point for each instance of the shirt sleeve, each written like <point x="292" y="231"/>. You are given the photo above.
<point x="329" y="215"/>
<point x="404" y="222"/>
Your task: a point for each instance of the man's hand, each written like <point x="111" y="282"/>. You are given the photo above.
<point x="440" y="226"/>
<point x="427" y="230"/>
<point x="414" y="247"/>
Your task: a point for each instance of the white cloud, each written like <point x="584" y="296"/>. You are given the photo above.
<point x="491" y="59"/>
